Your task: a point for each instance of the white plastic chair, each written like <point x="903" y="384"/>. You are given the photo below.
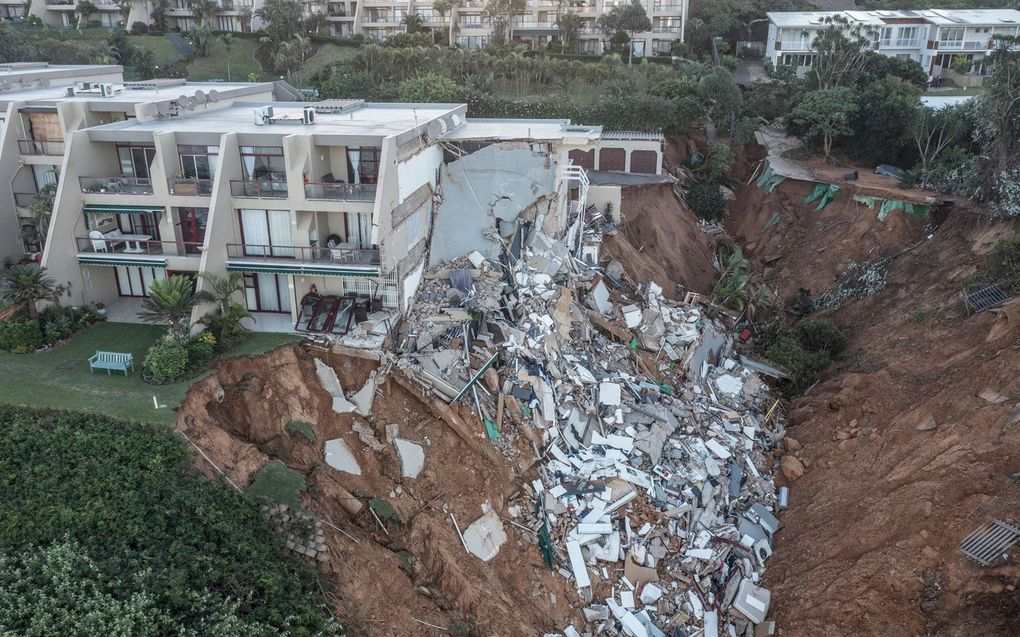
<point x="98" y="241"/>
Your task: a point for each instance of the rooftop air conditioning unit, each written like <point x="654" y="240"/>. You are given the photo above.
<point x="308" y="115"/>
<point x="263" y="115"/>
<point x="107" y="90"/>
<point x="71" y="91"/>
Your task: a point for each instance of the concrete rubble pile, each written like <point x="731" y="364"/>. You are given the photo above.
<point x="652" y="485"/>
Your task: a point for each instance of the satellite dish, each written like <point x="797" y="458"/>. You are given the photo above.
<point x="162" y="110"/>
<point x="434" y="130"/>
<point x="214" y="95"/>
<point x="443" y="125"/>
<point x="189" y="103"/>
<point x="150" y="110"/>
<point x="200" y="97"/>
<point x="456" y="119"/>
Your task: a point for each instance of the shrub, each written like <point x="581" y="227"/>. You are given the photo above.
<point x="803" y="366"/>
<point x="21" y="336"/>
<point x="59" y="328"/>
<point x="706" y="200"/>
<point x="818" y="335"/>
<point x="139" y="28"/>
<point x="200" y="350"/>
<point x="167" y="361"/>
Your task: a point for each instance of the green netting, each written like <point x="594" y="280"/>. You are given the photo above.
<point x="773" y="220"/>
<point x="817" y="193"/>
<point x="768" y="180"/>
<point x="765" y="176"/>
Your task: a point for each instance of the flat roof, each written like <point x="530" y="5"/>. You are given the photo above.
<point x="10" y="70"/>
<point x="633" y="135"/>
<point x="370" y="119"/>
<point x="949" y="17"/>
<point x="510" y="129"/>
<point x="151" y="92"/>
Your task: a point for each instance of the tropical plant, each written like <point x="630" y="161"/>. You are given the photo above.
<point x="201" y="37"/>
<point x="170" y="301"/>
<point x="125" y="9"/>
<point x="569" y="25"/>
<point x="41" y="209"/>
<point x="733" y="287"/>
<point x="203" y="10"/>
<point x="501" y="13"/>
<point x="158" y="14"/>
<point x="24" y="286"/>
<point x="281" y="19"/>
<point x="85" y="11"/>
<point x="225" y="320"/>
<point x="443" y="7"/>
<point x="413" y="23"/>
<point x="227" y="39"/>
<point x="840" y="51"/>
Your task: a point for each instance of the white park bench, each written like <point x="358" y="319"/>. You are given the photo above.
<point x="110" y="361"/>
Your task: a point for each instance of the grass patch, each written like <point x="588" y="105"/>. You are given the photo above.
<point x="163" y="52"/>
<point x="60" y="378"/>
<point x="278" y="484"/>
<point x="303" y="428"/>
<point x="214" y="65"/>
<point x="383" y="509"/>
<point x="326" y="55"/>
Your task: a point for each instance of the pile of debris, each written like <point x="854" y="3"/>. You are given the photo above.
<point x="652" y="484"/>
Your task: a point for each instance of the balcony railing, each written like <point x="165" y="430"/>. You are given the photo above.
<point x="901" y="44"/>
<point x="259" y="189"/>
<point x="23" y="199"/>
<point x="534" y="24"/>
<point x="340" y="255"/>
<point x="960" y="45"/>
<point x="61" y="3"/>
<point x="667" y="7"/>
<point x="340" y="192"/>
<point x="794" y="45"/>
<point x="124" y="244"/>
<point x="183" y="186"/>
<point x="116" y="185"/>
<point x="669" y="29"/>
<point x="33" y="147"/>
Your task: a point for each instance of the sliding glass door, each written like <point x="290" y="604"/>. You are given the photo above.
<point x="267" y="233"/>
<point x="265" y="292"/>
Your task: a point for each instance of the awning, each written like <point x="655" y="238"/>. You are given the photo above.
<point x="100" y="259"/>
<point x="116" y="209"/>
<point x="299" y="268"/>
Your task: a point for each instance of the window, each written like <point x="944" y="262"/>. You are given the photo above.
<point x="951" y="37"/>
<point x="30" y="238"/>
<point x="266" y="292"/>
<point x="266" y="233"/>
<point x="193" y="222"/>
<point x="226" y="23"/>
<point x="363" y="165"/>
<point x="136" y="161"/>
<point x="44" y="175"/>
<point x="142" y="224"/>
<point x="135" y="281"/>
<point x="198" y="162"/>
<point x="263" y="162"/>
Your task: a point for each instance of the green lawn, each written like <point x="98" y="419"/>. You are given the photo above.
<point x="214" y="65"/>
<point x="326" y="55"/>
<point x="60" y="378"/>
<point x="163" y="52"/>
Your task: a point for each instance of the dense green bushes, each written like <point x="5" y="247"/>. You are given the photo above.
<point x="106" y="530"/>
<point x="22" y="334"/>
<point x="171" y="359"/>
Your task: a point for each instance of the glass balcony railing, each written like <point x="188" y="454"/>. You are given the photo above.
<point x="258" y="189"/>
<point x="116" y="185"/>
<point x="33" y="147"/>
<point x="184" y="186"/>
<point x="134" y="244"/>
<point x="340" y="255"/>
<point x="24" y="199"/>
<point x="340" y="192"/>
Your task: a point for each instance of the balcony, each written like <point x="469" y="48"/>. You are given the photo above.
<point x="60" y="3"/>
<point x="341" y="255"/>
<point x="183" y="187"/>
<point x="960" y="45"/>
<point x="116" y="243"/>
<point x="794" y="46"/>
<point x="340" y="192"/>
<point x="901" y="44"/>
<point x="660" y="8"/>
<point x="116" y="185"/>
<point x="258" y="189"/>
<point x="24" y="199"/>
<point x="33" y="147"/>
<point x="668" y="29"/>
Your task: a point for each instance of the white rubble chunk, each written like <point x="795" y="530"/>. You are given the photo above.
<point x="412" y="457"/>
<point x="484" y="536"/>
<point x="340" y="457"/>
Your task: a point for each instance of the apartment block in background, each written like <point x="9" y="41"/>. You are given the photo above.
<point x="934" y="38"/>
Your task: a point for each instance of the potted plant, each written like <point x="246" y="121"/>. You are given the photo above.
<point x="101" y="309"/>
<point x="185" y="186"/>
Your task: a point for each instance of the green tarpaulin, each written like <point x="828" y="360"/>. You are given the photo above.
<point x="823" y="194"/>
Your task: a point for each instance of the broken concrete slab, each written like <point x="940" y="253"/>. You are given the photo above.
<point x="484" y="536"/>
<point x="363" y="399"/>
<point x="340" y="457"/>
<point x="412" y="457"/>
<point x="752" y="601"/>
<point x="331" y="383"/>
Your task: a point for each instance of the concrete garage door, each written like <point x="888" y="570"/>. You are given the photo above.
<point x="612" y="159"/>
<point x="583" y="158"/>
<point x="644" y="161"/>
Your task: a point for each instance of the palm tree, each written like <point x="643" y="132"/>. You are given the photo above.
<point x="170" y="301"/>
<point x="223" y="291"/>
<point x="23" y="286"/>
<point x="204" y="10"/>
<point x="125" y="10"/>
<point x="228" y="43"/>
<point x="413" y="23"/>
<point x="41" y="208"/>
<point x="442" y="7"/>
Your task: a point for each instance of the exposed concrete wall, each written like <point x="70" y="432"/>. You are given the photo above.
<point x="603" y="197"/>
<point x="10" y="225"/>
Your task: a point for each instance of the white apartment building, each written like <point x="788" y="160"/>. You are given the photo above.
<point x="931" y="37"/>
<point x="324" y="207"/>
<point x="464" y="25"/>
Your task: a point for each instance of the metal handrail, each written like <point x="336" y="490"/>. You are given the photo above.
<point x="115" y="245"/>
<point x="116" y="185"/>
<point x="258" y="188"/>
<point x="340" y="191"/>
<point x="315" y="254"/>
<point x="40" y="147"/>
<point x="184" y="186"/>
